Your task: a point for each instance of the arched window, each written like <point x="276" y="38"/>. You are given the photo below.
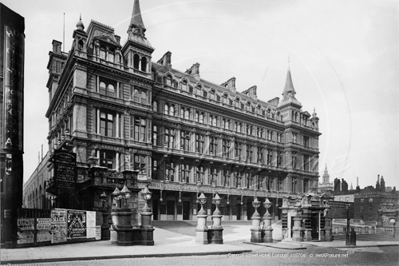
<point x="172" y="110"/>
<point x="166" y="111"/>
<point x="143" y="97"/>
<point x="155" y="106"/>
<point x="144" y="64"/>
<point x="136" y="61"/>
<point x="111" y="90"/>
<point x="187" y="114"/>
<point x="136" y="95"/>
<point x="103" y="88"/>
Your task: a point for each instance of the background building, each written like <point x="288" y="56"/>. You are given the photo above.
<point x="116" y="108"/>
<point x="325" y="185"/>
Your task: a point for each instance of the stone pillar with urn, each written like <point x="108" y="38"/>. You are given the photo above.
<point x="267" y="223"/>
<point x="216" y="229"/>
<point x="256" y="231"/>
<point x="202" y="228"/>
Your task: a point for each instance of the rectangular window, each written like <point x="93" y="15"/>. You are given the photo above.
<point x="185" y="173"/>
<point x="279" y="137"/>
<point x="107" y="124"/>
<point x="306" y="141"/>
<point x="199" y="143"/>
<point x="154" y="135"/>
<point x="170" y="171"/>
<point x="107" y="159"/>
<point x="238" y="149"/>
<point x="200" y="175"/>
<point x="213" y="145"/>
<point x="305" y="185"/>
<point x="226" y="147"/>
<point x="260" y="155"/>
<point x="155" y="169"/>
<point x="138" y="129"/>
<point x="140" y="163"/>
<point x="306" y="162"/>
<point x="184" y="140"/>
<point x="279" y="159"/>
<point x="294" y="137"/>
<point x="249" y="153"/>
<point x="269" y="157"/>
<point x="169" y="138"/>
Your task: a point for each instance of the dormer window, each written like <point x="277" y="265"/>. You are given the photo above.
<point x="198" y="90"/>
<point x="212" y="94"/>
<point x="184" y="85"/>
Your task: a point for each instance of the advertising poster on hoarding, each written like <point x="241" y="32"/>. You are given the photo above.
<point x="59" y="226"/>
<point x="43" y="226"/>
<point x="91" y="224"/>
<point x="25" y="237"/>
<point x="26" y="224"/>
<point x="76" y="224"/>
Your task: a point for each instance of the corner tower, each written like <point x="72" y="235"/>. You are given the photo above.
<point x="137" y="50"/>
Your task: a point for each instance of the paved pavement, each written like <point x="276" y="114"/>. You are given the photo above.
<point x="179" y="241"/>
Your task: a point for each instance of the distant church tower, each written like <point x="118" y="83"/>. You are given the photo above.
<point x="326" y="185"/>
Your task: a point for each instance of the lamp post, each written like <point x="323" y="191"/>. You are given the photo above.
<point x="217" y="229"/>
<point x="202" y="229"/>
<point x="105" y="234"/>
<point x="267" y="222"/>
<point x="147" y="230"/>
<point x="347" y="239"/>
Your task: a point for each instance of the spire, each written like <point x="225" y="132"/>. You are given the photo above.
<point x="289" y="86"/>
<point x="136" y="20"/>
<point x="289" y="91"/>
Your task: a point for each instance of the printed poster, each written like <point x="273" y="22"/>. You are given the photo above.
<point x="76" y="224"/>
<point x="91" y="224"/>
<point x="59" y="225"/>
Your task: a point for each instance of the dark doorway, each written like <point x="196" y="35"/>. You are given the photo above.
<point x="155" y="205"/>
<point x="186" y="210"/>
<point x="315" y="226"/>
<point x="238" y="210"/>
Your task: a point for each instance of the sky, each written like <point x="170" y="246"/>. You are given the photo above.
<point x="343" y="56"/>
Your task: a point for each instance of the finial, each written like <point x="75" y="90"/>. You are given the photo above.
<point x="80" y="25"/>
<point x="314" y="112"/>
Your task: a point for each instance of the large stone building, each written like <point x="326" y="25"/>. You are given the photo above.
<point x="114" y="105"/>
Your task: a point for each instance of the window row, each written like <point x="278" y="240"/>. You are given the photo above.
<point x="217" y="121"/>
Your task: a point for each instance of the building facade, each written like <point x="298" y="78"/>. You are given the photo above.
<point x="114" y="105"/>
